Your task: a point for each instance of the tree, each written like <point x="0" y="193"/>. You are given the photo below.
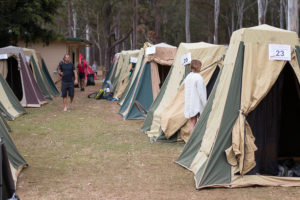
<point x="217" y="11"/>
<point x="187" y="21"/>
<point x="262" y="11"/>
<point x="27" y="19"/>
<point x="293" y="18"/>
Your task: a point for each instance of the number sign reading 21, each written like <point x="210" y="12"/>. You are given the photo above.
<point x="279" y="52"/>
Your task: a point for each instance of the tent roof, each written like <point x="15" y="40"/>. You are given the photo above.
<point x="266" y="34"/>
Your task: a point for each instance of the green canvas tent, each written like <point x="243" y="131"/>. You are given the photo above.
<point x="148" y="79"/>
<point x="9" y="104"/>
<point x="124" y="75"/>
<point x="16" y="161"/>
<point x="250" y="121"/>
<point x="211" y="57"/>
<point x="140" y="59"/>
<point x="47" y="74"/>
<point x="40" y="76"/>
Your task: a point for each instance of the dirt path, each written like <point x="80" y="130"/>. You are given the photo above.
<point x="91" y="153"/>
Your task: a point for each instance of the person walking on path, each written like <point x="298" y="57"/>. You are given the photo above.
<point x="195" y="94"/>
<point x="67" y="71"/>
<point x="82" y="68"/>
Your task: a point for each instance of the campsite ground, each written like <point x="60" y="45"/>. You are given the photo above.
<point x="91" y="153"/>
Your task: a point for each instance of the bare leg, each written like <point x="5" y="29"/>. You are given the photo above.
<point x="71" y="101"/>
<point x="193" y="122"/>
<point x="65" y="103"/>
<point x="82" y="84"/>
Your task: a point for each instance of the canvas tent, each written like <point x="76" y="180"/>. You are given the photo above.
<point x="40" y="76"/>
<point x="112" y="69"/>
<point x="18" y="75"/>
<point x="250" y="121"/>
<point x="146" y="85"/>
<point x="211" y="57"/>
<point x="140" y="60"/>
<point x="9" y="104"/>
<point x="16" y="161"/>
<point x="47" y="74"/>
<point x="125" y="72"/>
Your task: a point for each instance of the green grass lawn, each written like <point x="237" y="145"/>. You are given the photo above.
<point x="90" y="152"/>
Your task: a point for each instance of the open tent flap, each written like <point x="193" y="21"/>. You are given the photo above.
<point x="256" y="85"/>
<point x="10" y="105"/>
<point x="172" y="119"/>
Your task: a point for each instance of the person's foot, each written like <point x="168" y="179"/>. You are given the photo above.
<point x="82" y="89"/>
<point x="70" y="106"/>
<point x="65" y="109"/>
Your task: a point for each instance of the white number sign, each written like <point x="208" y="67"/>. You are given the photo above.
<point x="279" y="52"/>
<point x="3" y="56"/>
<point x="150" y="50"/>
<point x="186" y="59"/>
<point x="27" y="58"/>
<point x="133" y="59"/>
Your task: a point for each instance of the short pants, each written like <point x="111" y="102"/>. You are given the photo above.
<point x="67" y="89"/>
<point x="81" y="75"/>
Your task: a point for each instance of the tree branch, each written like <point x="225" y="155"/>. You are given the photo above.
<point x="122" y="39"/>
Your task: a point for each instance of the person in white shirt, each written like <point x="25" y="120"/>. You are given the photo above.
<point x="195" y="94"/>
<point x="94" y="67"/>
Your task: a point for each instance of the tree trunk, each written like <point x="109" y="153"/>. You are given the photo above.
<point x="87" y="48"/>
<point x="262" y="11"/>
<point x="74" y="14"/>
<point x="157" y="21"/>
<point x="187" y="21"/>
<point x="293" y="18"/>
<point x="240" y="8"/>
<point x="281" y="14"/>
<point x="108" y="11"/>
<point x="134" y="25"/>
<point x="217" y="11"/>
<point x="69" y="19"/>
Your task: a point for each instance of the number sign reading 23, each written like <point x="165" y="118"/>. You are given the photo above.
<point x="279" y="52"/>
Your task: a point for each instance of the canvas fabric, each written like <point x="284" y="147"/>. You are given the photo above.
<point x="224" y="126"/>
<point x="32" y="95"/>
<point x="173" y="118"/>
<point x="207" y="53"/>
<point x="123" y="78"/>
<point x="164" y="55"/>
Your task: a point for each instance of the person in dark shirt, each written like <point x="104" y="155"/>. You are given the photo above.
<point x="67" y="71"/>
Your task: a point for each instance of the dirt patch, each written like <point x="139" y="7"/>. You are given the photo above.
<point x="90" y="152"/>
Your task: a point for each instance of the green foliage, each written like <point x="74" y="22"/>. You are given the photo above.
<point x="27" y="20"/>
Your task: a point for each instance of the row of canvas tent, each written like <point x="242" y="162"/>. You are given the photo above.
<point x="24" y="82"/>
<point x="250" y="119"/>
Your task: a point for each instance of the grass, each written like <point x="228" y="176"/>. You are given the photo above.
<point x="90" y="152"/>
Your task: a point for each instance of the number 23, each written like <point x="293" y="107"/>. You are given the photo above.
<point x="279" y="53"/>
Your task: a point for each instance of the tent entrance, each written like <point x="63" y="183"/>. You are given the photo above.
<point x="275" y="124"/>
<point x="211" y="83"/>
<point x="163" y="71"/>
<point x="13" y="77"/>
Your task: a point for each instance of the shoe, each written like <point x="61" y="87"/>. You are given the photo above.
<point x="82" y="89"/>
